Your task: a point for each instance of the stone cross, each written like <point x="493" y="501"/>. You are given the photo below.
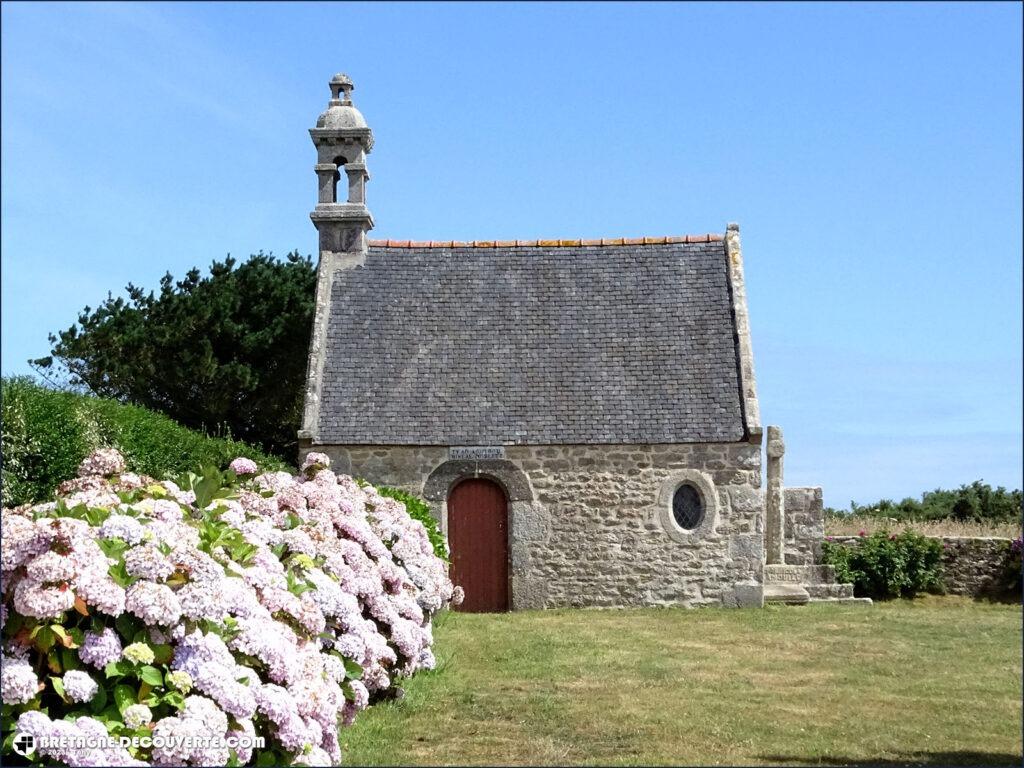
<point x="775" y="509"/>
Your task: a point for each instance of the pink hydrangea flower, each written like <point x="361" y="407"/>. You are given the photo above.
<point x="104" y="462"/>
<point x="314" y="462"/>
<point x="18" y="681"/>
<point x="248" y="640"/>
<point x="79" y="686"/>
<point x="100" y="648"/>
<point x="243" y="466"/>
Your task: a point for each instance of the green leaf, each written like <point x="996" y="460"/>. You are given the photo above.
<point x="127" y="625"/>
<point x="112" y="548"/>
<point x="266" y="758"/>
<point x="45" y="638"/>
<point x="162" y="654"/>
<point x="304" y="561"/>
<point x="99" y="701"/>
<point x="152" y="676"/>
<point x="352" y="670"/>
<point x="62" y="635"/>
<point x="206" y="488"/>
<point x="96" y="516"/>
<point x="15" y="621"/>
<point x="58" y="686"/>
<point x="69" y="659"/>
<point x="118" y="669"/>
<point x="174" y="699"/>
<point x="124" y="697"/>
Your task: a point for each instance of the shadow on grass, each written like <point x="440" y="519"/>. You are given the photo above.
<point x="999" y="598"/>
<point x="908" y="759"/>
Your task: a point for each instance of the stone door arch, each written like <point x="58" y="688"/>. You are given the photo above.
<point x="527" y="522"/>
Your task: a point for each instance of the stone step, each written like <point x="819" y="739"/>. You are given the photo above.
<point x="830" y="590"/>
<point x="824" y="574"/>
<point x="788" y="594"/>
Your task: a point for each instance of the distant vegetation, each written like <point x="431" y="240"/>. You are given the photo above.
<point x="977" y="502"/>
<point x="47" y="433"/>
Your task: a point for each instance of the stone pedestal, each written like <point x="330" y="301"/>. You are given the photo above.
<point x="800" y="584"/>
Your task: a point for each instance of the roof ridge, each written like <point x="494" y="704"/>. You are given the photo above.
<point x="707" y="238"/>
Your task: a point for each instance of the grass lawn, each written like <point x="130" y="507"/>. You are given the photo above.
<point x="934" y="681"/>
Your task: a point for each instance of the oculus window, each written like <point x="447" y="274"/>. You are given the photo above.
<point x="687" y="507"/>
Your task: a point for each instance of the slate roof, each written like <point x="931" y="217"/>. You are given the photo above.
<point x="545" y="342"/>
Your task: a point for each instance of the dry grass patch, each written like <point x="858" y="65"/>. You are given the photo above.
<point x="935" y="680"/>
<point x="836" y="526"/>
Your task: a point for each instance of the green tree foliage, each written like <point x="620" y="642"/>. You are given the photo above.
<point x="977" y="501"/>
<point x="226" y="352"/>
<point x="46" y="434"/>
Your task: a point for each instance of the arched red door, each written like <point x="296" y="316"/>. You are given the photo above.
<point x="478" y="537"/>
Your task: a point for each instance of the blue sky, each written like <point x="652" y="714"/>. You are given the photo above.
<point x="870" y="152"/>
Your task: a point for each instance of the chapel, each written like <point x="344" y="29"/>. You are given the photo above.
<point x="581" y="414"/>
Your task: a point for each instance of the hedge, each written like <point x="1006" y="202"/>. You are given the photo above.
<point x="46" y="434"/>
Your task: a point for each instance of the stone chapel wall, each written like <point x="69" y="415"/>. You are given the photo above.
<point x="588" y="526"/>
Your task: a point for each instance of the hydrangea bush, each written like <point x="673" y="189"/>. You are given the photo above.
<point x="225" y="604"/>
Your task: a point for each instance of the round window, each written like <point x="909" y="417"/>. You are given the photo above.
<point x="687" y="507"/>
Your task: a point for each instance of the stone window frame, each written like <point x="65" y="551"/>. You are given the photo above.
<point x="709" y="495"/>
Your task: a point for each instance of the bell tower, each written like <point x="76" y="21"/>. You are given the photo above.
<point x="342" y="140"/>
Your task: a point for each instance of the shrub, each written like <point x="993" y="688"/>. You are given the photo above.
<point x="886" y="565"/>
<point x="270" y="606"/>
<point x="47" y="434"/>
<point x="418" y="510"/>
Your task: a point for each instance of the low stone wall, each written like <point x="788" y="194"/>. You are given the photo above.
<point x="975" y="567"/>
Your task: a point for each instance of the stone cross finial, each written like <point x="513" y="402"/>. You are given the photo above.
<point x="341" y="83"/>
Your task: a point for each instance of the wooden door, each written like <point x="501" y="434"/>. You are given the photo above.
<point x="478" y="537"/>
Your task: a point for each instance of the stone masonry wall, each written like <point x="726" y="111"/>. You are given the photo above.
<point x="975" y="567"/>
<point x="804" y="526"/>
<point x="591" y="525"/>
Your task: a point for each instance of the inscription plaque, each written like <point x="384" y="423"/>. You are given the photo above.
<point x="783" y="574"/>
<point x="477" y="452"/>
